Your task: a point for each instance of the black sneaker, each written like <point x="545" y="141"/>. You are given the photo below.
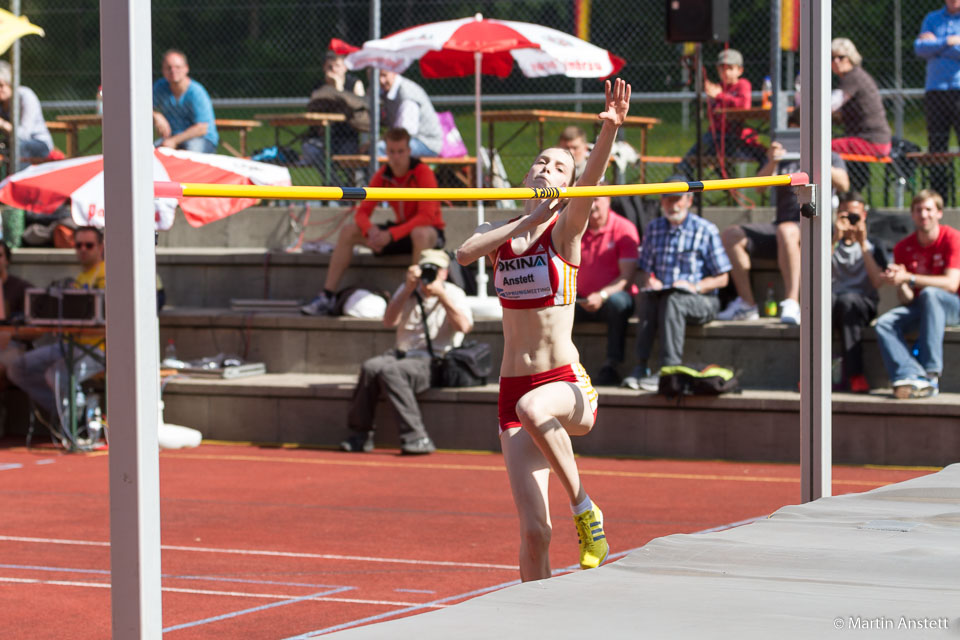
<point x="418" y="447"/>
<point x="358" y="442"/>
<point x="607" y="377"/>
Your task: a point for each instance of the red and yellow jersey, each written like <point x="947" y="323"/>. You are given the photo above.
<point x="536" y="278"/>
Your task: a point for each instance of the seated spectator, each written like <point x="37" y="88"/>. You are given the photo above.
<point x="14" y="292"/>
<point x="407" y="106"/>
<point x="926" y="274"/>
<point x="778" y="241"/>
<point x="574" y="140"/>
<point x="682" y="265"/>
<point x="33" y="139"/>
<point x="333" y="97"/>
<point x="605" y="288"/>
<point x="857" y="266"/>
<point x="182" y="110"/>
<point x="857" y="104"/>
<point x="42" y="373"/>
<point x="403" y="373"/>
<point x="727" y="139"/>
<point x="418" y="226"/>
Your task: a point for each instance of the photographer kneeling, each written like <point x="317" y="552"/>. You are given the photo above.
<point x="404" y="372"/>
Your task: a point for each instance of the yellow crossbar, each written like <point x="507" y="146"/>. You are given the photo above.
<point x="176" y="190"/>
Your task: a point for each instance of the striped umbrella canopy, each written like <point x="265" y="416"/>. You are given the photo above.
<point x="44" y="188"/>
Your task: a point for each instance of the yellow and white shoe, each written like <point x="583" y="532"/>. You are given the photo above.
<point x="593" y="541"/>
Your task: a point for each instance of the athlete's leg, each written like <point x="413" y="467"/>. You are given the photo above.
<point x="551" y="414"/>
<point x="529" y="475"/>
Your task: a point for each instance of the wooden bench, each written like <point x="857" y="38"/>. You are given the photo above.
<point x="463" y="165"/>
<point x="921" y="160"/>
<point x="242" y="127"/>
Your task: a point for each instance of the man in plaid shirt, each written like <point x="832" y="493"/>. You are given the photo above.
<point x="682" y="265"/>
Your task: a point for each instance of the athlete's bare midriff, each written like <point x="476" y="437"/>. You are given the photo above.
<point x="537" y="340"/>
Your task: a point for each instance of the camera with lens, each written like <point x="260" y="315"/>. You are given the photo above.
<point x="854" y="218"/>
<point x="428" y="273"/>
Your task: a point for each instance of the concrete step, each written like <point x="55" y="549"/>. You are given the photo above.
<point x="211" y="277"/>
<point x="765" y="352"/>
<point x="279" y="227"/>
<point x="755" y="425"/>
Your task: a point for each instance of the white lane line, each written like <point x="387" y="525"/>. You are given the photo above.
<point x="7" y="466"/>
<point x="235" y="594"/>
<point x="279" y="554"/>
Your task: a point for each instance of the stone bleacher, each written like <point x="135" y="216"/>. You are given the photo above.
<point x="312" y="362"/>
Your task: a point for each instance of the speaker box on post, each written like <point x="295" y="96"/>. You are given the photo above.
<point x="698" y="20"/>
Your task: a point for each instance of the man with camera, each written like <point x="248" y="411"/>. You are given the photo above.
<point x="426" y="300"/>
<point x="857" y="266"/>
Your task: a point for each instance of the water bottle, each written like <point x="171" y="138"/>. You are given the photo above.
<point x="770" y="303"/>
<point x="170" y="352"/>
<point x="765" y="92"/>
<point x="94" y="422"/>
<point x="100" y="100"/>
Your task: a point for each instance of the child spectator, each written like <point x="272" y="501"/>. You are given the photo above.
<point x="727" y="138"/>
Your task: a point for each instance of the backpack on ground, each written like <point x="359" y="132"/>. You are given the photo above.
<point x="694" y="380"/>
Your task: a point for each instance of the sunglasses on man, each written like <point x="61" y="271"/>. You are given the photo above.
<point x="86" y="245"/>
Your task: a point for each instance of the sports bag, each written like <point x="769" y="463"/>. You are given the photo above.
<point x="689" y="380"/>
<point x="468" y="365"/>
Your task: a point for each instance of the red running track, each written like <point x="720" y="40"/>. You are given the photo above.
<point x="280" y="543"/>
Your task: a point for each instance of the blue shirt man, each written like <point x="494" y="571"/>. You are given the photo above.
<point x="183" y="113"/>
<point x="939" y="44"/>
<point x="682" y="265"/>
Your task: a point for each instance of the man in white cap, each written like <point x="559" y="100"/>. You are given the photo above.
<point x="404" y="372"/>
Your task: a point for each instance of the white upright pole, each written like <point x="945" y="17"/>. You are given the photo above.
<point x="132" y="368"/>
<point x="15" y="103"/>
<point x="815" y="300"/>
<point x="478" y="64"/>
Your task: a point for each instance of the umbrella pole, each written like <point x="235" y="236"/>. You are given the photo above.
<point x="481" y="273"/>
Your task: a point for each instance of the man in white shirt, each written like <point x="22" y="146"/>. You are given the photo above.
<point x="404" y="372"/>
<point x="406" y="105"/>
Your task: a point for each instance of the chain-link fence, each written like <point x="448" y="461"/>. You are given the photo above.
<point x="264" y="56"/>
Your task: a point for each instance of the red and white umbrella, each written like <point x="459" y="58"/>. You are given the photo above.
<point x="43" y="188"/>
<point x="447" y="50"/>
<point x="458" y="48"/>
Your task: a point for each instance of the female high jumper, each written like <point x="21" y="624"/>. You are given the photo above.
<point x="545" y="394"/>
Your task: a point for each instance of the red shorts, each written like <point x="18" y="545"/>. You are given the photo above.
<point x="515" y="387"/>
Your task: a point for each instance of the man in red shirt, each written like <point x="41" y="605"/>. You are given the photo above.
<point x="418" y="226"/>
<point x="926" y="274"/>
<point x="727" y="138"/>
<point x="605" y="289"/>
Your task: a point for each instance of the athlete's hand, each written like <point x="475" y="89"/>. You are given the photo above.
<point x="617" y="102"/>
<point x="544" y="211"/>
